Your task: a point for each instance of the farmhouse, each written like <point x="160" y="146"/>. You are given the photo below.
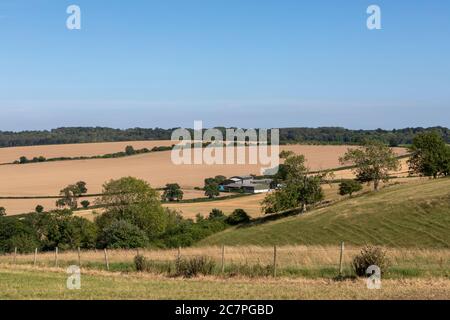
<point x="246" y="184"/>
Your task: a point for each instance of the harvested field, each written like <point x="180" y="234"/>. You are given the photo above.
<point x="8" y="155"/>
<point x="47" y="178"/>
<point x="251" y="204"/>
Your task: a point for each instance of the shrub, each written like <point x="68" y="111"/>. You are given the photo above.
<point x="39" y="208"/>
<point x="192" y="267"/>
<point x="140" y="262"/>
<point x="349" y="187"/>
<point x="369" y="256"/>
<point x="85" y="203"/>
<point x="216" y="214"/>
<point x="238" y="216"/>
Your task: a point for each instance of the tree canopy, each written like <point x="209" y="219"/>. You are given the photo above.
<point x="373" y="162"/>
<point x="430" y="156"/>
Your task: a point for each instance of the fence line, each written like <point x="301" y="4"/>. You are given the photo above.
<point x="278" y="258"/>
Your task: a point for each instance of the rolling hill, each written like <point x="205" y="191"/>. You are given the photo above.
<point x="416" y="214"/>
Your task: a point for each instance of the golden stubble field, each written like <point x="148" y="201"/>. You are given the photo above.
<point x="44" y="179"/>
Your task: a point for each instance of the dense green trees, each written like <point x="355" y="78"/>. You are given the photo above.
<point x="299" y="188"/>
<point x="172" y="192"/>
<point x="373" y="162"/>
<point x="326" y="135"/>
<point x="134" y="201"/>
<point x="430" y="156"/>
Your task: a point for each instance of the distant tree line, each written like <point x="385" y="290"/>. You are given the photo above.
<point x="322" y="135"/>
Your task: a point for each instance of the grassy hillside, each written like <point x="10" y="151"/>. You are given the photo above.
<point x="411" y="215"/>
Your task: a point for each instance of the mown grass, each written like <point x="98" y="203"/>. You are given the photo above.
<point x="416" y="214"/>
<point x="28" y="283"/>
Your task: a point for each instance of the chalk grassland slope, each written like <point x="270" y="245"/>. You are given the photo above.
<point x="157" y="168"/>
<point x="411" y="215"/>
<point x="8" y="155"/>
<point x="51" y="284"/>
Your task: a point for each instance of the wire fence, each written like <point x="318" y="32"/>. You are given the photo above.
<point x="278" y="259"/>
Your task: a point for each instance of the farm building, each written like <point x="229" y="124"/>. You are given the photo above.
<point x="246" y="184"/>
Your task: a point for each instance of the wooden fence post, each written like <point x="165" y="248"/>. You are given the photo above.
<point x="106" y="260"/>
<point x="15" y="255"/>
<point x="274" y="261"/>
<point x="223" y="259"/>
<point x="35" y="257"/>
<point x="79" y="257"/>
<point x="56" y="257"/>
<point x="341" y="259"/>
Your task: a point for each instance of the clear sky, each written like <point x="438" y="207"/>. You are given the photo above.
<point x="244" y="63"/>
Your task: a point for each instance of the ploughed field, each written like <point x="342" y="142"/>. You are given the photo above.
<point x="47" y="178"/>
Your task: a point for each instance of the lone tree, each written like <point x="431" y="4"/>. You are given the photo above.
<point x="373" y="161"/>
<point x="134" y="201"/>
<point x="39" y="208"/>
<point x="212" y="190"/>
<point x="300" y="189"/>
<point x="430" y="156"/>
<point x="172" y="192"/>
<point x="70" y="194"/>
<point x="2" y="212"/>
<point x="349" y="187"/>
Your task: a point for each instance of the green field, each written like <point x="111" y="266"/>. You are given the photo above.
<point x="416" y="214"/>
<point x="27" y="283"/>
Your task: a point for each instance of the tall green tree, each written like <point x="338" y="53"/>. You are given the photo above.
<point x="212" y="190"/>
<point x="299" y="188"/>
<point x="373" y="162"/>
<point x="133" y="200"/>
<point x="430" y="156"/>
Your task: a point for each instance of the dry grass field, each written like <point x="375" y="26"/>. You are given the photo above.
<point x="8" y="155"/>
<point x="288" y="256"/>
<point x="49" y="283"/>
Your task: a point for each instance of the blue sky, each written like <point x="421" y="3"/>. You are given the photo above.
<point x="244" y="63"/>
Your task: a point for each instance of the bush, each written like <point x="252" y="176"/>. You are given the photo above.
<point x="349" y="187"/>
<point x="194" y="266"/>
<point x="140" y="262"/>
<point x="369" y="256"/>
<point x="85" y="203"/>
<point x="216" y="214"/>
<point x="237" y="217"/>
<point x="39" y="208"/>
<point x="122" y="234"/>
